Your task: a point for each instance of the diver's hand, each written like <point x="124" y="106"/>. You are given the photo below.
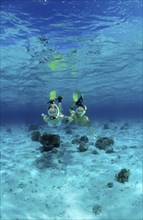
<point x="59" y="99"/>
<point x="68" y="120"/>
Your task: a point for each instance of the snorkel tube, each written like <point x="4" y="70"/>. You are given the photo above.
<point x="79" y="101"/>
<point x="58" y="111"/>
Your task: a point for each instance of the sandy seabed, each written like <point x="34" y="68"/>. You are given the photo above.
<point x="67" y="185"/>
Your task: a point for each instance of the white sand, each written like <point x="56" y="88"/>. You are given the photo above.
<point x="66" y="185"/>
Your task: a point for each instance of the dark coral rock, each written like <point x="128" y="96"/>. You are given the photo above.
<point x="94" y="152"/>
<point x="8" y="130"/>
<point x="112" y="120"/>
<point x="75" y="141"/>
<point x="54" y="150"/>
<point x="21" y="185"/>
<point x="105" y="126"/>
<point x="41" y="149"/>
<point x="122" y="128"/>
<point x="110" y="185"/>
<point x="109" y="151"/>
<point x="97" y="209"/>
<point x="104" y="143"/>
<point x="35" y="135"/>
<point x="84" y="139"/>
<point x="123" y="176"/>
<point x="77" y="136"/>
<point x="134" y="146"/>
<point x="49" y="141"/>
<point x="33" y="127"/>
<point x="82" y="148"/>
<point x="126" y="124"/>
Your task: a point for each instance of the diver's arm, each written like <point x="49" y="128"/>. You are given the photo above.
<point x="45" y="117"/>
<point x="60" y="106"/>
<point x="72" y="113"/>
<point x="67" y="120"/>
<point x="72" y="107"/>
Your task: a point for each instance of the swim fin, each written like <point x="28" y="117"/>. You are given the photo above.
<point x="75" y="97"/>
<point x="53" y="95"/>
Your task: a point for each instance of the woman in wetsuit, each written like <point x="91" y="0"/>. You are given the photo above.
<point x="78" y="111"/>
<point x="54" y="116"/>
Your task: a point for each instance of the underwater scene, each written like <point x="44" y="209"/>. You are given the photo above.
<point x="71" y="109"/>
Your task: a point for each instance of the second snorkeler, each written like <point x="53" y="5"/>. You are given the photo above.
<point x="78" y="112"/>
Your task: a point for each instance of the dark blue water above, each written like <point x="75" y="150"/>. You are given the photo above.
<point x="94" y="46"/>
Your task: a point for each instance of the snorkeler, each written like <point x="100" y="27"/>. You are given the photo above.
<point x="54" y="116"/>
<point x="78" y="111"/>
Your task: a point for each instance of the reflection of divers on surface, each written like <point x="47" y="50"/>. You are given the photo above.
<point x="43" y="52"/>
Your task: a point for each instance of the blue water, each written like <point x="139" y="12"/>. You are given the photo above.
<point x="94" y="46"/>
<point x="99" y="44"/>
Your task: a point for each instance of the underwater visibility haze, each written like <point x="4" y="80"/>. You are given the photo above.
<point x="91" y="46"/>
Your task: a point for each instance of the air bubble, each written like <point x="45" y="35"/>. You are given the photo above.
<point x="43" y="2"/>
